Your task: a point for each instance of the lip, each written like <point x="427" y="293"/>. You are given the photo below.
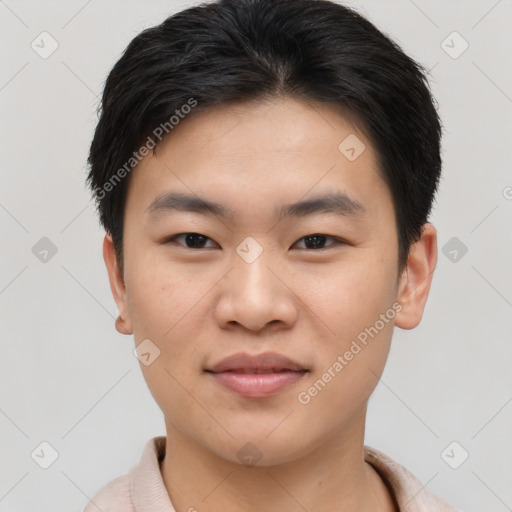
<point x="254" y="385"/>
<point x="245" y="363"/>
<point x="257" y="376"/>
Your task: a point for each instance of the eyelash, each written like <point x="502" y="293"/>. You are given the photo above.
<point x="338" y="241"/>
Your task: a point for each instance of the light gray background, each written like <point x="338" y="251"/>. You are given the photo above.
<point x="68" y="378"/>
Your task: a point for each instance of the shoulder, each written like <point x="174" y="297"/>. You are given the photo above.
<point x="113" y="497"/>
<point x="407" y="490"/>
<point x="141" y="487"/>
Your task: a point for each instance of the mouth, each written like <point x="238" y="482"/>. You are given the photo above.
<point x="257" y="376"/>
<point x="257" y="371"/>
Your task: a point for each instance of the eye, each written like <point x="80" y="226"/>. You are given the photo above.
<point x="197" y="241"/>
<point x="316" y="241"/>
<point x="192" y="240"/>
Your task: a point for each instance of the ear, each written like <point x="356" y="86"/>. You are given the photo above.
<point x="416" y="278"/>
<point x="117" y="285"/>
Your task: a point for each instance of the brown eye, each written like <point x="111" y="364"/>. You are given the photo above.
<point x="317" y="241"/>
<point x="191" y="240"/>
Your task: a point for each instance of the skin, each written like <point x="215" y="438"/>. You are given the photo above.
<point x="199" y="305"/>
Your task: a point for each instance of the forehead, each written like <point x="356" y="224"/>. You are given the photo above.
<point x="286" y="124"/>
<point x="276" y="151"/>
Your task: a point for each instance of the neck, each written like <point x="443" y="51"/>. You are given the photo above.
<point x="332" y="478"/>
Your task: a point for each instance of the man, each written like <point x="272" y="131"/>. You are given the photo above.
<point x="264" y="171"/>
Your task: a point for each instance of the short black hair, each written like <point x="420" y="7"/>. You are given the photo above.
<point x="229" y="51"/>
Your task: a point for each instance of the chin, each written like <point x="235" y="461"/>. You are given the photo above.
<point x="257" y="450"/>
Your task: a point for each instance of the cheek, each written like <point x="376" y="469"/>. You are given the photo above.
<point x="354" y="296"/>
<point x="351" y="362"/>
<point x="161" y="296"/>
<point x="358" y="305"/>
<point x="165" y="308"/>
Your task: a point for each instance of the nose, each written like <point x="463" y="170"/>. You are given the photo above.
<point x="256" y="295"/>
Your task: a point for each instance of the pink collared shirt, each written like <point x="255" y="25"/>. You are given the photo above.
<point x="142" y="489"/>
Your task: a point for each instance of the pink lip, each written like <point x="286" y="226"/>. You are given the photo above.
<point x="257" y="385"/>
<point x="256" y="376"/>
<point x="251" y="363"/>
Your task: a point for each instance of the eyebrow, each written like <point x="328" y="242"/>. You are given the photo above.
<point x="338" y="203"/>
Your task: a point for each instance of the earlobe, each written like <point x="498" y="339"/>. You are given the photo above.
<point x="416" y="279"/>
<point x="120" y="326"/>
<point x="117" y="285"/>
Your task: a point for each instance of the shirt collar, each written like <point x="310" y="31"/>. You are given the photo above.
<point x="149" y="493"/>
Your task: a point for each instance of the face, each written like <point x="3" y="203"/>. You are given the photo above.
<point x="311" y="282"/>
